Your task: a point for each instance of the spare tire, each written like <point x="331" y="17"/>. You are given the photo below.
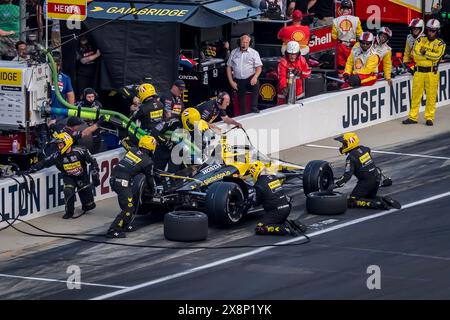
<point x="225" y="203"/>
<point x="317" y="176"/>
<point x="185" y="226"/>
<point x="326" y="203"/>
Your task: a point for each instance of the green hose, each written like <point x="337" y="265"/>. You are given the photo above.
<point x="90" y="114"/>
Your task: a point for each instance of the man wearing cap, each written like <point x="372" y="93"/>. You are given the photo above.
<point x="173" y="100"/>
<point x="295" y="32"/>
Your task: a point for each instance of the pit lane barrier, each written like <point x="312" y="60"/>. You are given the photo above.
<point x="311" y="119"/>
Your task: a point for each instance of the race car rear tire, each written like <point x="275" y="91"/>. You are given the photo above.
<point x="185" y="226"/>
<point x="225" y="203"/>
<point x="326" y="203"/>
<point x="317" y="176"/>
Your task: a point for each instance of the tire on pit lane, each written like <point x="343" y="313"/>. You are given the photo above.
<point x="326" y="203"/>
<point x="185" y="226"/>
<point x="317" y="176"/>
<point x="225" y="204"/>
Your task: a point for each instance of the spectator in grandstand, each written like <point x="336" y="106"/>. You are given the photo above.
<point x="295" y="63"/>
<point x="416" y="27"/>
<point x="323" y="11"/>
<point x="243" y="69"/>
<point x="22" y="54"/>
<point x="362" y="65"/>
<point x="382" y="49"/>
<point x="346" y="28"/>
<point x="9" y="28"/>
<point x="295" y="32"/>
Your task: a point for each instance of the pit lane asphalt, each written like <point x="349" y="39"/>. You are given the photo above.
<point x="410" y="246"/>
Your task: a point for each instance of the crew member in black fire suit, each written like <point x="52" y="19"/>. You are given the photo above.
<point x="151" y="116"/>
<point x="136" y="160"/>
<point x="360" y="163"/>
<point x="72" y="162"/>
<point x="173" y="100"/>
<point x="276" y="204"/>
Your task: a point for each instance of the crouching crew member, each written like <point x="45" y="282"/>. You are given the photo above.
<point x="360" y="163"/>
<point x="362" y="64"/>
<point x="137" y="160"/>
<point x="276" y="204"/>
<point x="72" y="162"/>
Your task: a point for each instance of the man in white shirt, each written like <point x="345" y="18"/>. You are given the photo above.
<point x="21" y="49"/>
<point x="243" y="69"/>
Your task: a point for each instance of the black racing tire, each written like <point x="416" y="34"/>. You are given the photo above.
<point x="185" y="226"/>
<point x="326" y="203"/>
<point x="225" y="204"/>
<point x="317" y="176"/>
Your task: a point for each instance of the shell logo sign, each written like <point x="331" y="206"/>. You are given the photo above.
<point x="358" y="64"/>
<point x="345" y="25"/>
<point x="267" y="91"/>
<point x="298" y="36"/>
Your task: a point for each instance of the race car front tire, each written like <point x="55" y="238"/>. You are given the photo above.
<point x="326" y="203"/>
<point x="225" y="204"/>
<point x="317" y="176"/>
<point x="185" y="226"/>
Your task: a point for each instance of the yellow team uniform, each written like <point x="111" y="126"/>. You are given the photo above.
<point x="426" y="75"/>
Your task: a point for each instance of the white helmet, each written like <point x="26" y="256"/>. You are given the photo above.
<point x="293" y="47"/>
<point x="366" y="37"/>
<point x="386" y="31"/>
<point x="433" y="24"/>
<point x="416" y="23"/>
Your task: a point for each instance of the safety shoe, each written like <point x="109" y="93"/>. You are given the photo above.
<point x="391" y="202"/>
<point x="409" y="121"/>
<point x="381" y="205"/>
<point x="112" y="233"/>
<point x="67" y="215"/>
<point x="429" y="122"/>
<point x="89" y="207"/>
<point x="255" y="110"/>
<point x="271" y="230"/>
<point x="129" y="228"/>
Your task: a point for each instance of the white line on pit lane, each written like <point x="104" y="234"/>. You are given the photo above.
<point x="256" y="251"/>
<point x="386" y="152"/>
<point x="62" y="281"/>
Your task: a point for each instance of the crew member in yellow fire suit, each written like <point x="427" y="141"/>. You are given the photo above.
<point x="428" y="51"/>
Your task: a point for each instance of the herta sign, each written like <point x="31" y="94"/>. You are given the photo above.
<point x="74" y="10"/>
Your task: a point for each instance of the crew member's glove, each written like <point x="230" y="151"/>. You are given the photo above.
<point x="346" y="76"/>
<point x="101" y="120"/>
<point x="296" y="72"/>
<point x="32" y="170"/>
<point x="339" y="183"/>
<point x="95" y="178"/>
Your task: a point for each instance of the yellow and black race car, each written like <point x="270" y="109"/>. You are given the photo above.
<point x="221" y="186"/>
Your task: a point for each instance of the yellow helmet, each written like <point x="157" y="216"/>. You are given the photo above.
<point x="189" y="117"/>
<point x="145" y="91"/>
<point x="201" y="126"/>
<point x="65" y="138"/>
<point x="349" y="142"/>
<point x="255" y="169"/>
<point x="147" y="142"/>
